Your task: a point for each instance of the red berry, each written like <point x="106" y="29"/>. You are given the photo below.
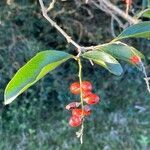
<point x="75" y="88"/>
<point x="78" y="112"/>
<point x="86" y="93"/>
<point x="75" y="121"/>
<point x="86" y="86"/>
<point x="72" y="105"/>
<point x="128" y="2"/>
<point x="135" y="59"/>
<point x="91" y="99"/>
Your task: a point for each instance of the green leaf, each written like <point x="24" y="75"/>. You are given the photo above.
<point x="119" y="50"/>
<point x="144" y="13"/>
<point x="141" y="30"/>
<point x="34" y="70"/>
<point x="105" y="60"/>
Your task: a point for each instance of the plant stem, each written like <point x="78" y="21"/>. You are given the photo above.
<point x="54" y="24"/>
<point x="81" y="98"/>
<point x="119" y="12"/>
<point x="146" y="77"/>
<point x="80" y="81"/>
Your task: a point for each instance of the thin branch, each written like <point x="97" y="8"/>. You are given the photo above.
<point x="112" y="27"/>
<point x="121" y="13"/>
<point x="147" y="79"/>
<point x="51" y="5"/>
<point x="117" y="11"/>
<point x="54" y="24"/>
<point x="86" y="1"/>
<point x="108" y="11"/>
<point x="9" y="2"/>
<point x="107" y="4"/>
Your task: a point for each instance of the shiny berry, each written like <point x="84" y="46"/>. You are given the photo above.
<point x="91" y="99"/>
<point x="78" y="112"/>
<point x="135" y="59"/>
<point x="75" y="88"/>
<point x="72" y="105"/>
<point x="86" y="93"/>
<point x="86" y="86"/>
<point x="75" y="121"/>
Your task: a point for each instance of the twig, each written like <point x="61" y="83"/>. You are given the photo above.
<point x="108" y="11"/>
<point x="86" y="1"/>
<point x="121" y="13"/>
<point x="54" y="24"/>
<point x="51" y="5"/>
<point x="118" y="11"/>
<point x="112" y="27"/>
<point x="146" y="77"/>
<point x="9" y="2"/>
<point x="79" y="49"/>
<point x="113" y="17"/>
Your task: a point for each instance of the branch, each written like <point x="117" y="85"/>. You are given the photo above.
<point x="108" y="11"/>
<point x="54" y="24"/>
<point x="51" y="5"/>
<point x="147" y="79"/>
<point x="118" y="11"/>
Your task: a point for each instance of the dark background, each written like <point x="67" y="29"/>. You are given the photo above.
<point x="37" y="119"/>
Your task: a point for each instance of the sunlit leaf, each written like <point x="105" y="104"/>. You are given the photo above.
<point x="141" y="30"/>
<point x="34" y="70"/>
<point x="105" y="60"/>
<point x="119" y="50"/>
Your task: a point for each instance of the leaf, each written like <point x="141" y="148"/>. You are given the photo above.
<point x="145" y="13"/>
<point x="141" y="30"/>
<point x="119" y="50"/>
<point x="105" y="60"/>
<point x="32" y="71"/>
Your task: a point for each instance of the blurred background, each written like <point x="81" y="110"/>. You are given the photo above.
<point x="37" y="120"/>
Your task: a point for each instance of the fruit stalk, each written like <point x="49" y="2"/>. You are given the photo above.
<point x="81" y="97"/>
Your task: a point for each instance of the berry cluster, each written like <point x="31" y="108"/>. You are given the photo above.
<point x="88" y="97"/>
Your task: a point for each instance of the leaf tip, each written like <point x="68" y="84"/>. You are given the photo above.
<point x="8" y="100"/>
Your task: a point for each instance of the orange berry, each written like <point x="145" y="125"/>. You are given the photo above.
<point x="75" y="121"/>
<point x="91" y="99"/>
<point x="86" y="93"/>
<point x="135" y="59"/>
<point x="86" y="86"/>
<point x="75" y="88"/>
<point x="78" y="112"/>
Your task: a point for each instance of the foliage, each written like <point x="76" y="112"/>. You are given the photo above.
<point x="35" y="124"/>
<point x="46" y="61"/>
<point x="34" y="70"/>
